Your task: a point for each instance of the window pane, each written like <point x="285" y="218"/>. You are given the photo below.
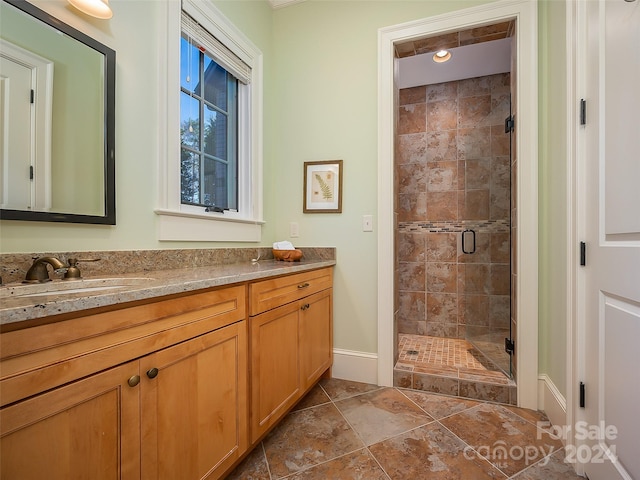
<point x="189" y="121"/>
<point x="215" y="84"/>
<point x="190" y="177"/>
<point x="189" y="65"/>
<point x="215" y="183"/>
<point x="215" y="133"/>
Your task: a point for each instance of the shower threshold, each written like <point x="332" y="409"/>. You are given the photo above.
<point x="452" y="367"/>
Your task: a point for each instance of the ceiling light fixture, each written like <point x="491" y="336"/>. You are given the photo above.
<point x="441" y="56"/>
<point x="95" y="8"/>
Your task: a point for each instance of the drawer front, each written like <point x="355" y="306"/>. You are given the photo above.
<point x="47" y="356"/>
<point x="272" y="293"/>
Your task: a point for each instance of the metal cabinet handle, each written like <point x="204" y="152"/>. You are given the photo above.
<point x="153" y="373"/>
<point x="133" y="381"/>
<point x="472" y="248"/>
<point x="304" y="285"/>
<point x="305" y="306"/>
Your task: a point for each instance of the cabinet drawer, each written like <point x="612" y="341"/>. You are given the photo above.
<point x="46" y="356"/>
<point x="269" y="294"/>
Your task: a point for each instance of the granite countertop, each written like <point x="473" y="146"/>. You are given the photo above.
<point x="140" y="286"/>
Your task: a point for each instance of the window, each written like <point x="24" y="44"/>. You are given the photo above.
<point x="210" y="183"/>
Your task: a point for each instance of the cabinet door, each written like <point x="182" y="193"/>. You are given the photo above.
<point x="275" y="374"/>
<point x="316" y="337"/>
<point x="89" y="429"/>
<point x="194" y="406"/>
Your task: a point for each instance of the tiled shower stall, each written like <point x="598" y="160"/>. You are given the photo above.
<point x="453" y="171"/>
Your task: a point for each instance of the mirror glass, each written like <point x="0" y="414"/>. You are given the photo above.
<point x="57" y="89"/>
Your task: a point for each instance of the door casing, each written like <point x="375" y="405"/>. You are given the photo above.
<point x="525" y="14"/>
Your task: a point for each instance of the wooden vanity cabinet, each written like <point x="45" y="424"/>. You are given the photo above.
<point x="194" y="406"/>
<point x="89" y="429"/>
<point x="290" y="342"/>
<point x="178" y="409"/>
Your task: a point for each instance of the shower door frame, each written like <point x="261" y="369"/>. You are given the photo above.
<point x="526" y="261"/>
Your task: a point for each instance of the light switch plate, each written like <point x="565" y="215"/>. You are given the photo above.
<point x="367" y="223"/>
<point x="294" y="231"/>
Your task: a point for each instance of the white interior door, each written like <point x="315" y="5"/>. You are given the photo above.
<point x="608" y="440"/>
<point x="16" y="144"/>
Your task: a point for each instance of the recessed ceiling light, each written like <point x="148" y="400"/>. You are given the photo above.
<point x="441" y="56"/>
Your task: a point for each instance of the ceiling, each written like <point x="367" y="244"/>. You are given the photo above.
<point x="475" y="52"/>
<point x="283" y="3"/>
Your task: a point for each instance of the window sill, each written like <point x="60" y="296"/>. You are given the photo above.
<point x="175" y="225"/>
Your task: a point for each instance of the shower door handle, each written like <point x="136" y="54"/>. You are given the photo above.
<point x="468" y="240"/>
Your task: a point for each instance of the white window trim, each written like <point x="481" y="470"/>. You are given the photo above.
<point x="182" y="223"/>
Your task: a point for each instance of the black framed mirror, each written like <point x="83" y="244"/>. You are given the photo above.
<point x="57" y="120"/>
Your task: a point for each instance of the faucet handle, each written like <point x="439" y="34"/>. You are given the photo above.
<point x="73" y="272"/>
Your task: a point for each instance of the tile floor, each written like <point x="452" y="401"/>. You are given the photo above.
<point x="452" y="367"/>
<point x="356" y="431"/>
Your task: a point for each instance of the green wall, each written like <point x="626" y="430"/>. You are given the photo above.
<point x="552" y="193"/>
<point x="320" y="103"/>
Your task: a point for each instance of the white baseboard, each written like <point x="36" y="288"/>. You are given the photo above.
<point x="355" y="366"/>
<point x="551" y="401"/>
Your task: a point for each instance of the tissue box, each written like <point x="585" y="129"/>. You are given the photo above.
<point x="287" y="255"/>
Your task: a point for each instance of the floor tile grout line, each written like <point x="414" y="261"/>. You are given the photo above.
<point x="266" y="460"/>
<point x="306" y="469"/>
<point x="375" y="459"/>
<point x="506" y="477"/>
<point x="546" y="457"/>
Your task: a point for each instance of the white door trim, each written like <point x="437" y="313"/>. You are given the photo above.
<point x="575" y="51"/>
<point x="525" y="11"/>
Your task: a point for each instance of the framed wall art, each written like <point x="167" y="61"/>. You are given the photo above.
<point x="323" y="187"/>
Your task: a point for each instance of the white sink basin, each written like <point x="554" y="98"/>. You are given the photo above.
<point x="69" y="287"/>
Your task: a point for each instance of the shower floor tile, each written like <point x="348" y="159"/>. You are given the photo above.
<point x="449" y="357"/>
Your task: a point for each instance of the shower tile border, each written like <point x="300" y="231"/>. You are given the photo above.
<point x="455" y="226"/>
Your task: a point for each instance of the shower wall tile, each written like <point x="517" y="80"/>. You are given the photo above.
<point x="412" y="148"/>
<point x="454" y="170"/>
<point x="412" y="305"/>
<point x="482" y="254"/>
<point x="474" y="143"/>
<point x="442" y="115"/>
<point x="474" y="310"/>
<point x="474" y="205"/>
<point x="500" y="83"/>
<point x="412" y="178"/>
<point x="442" y="91"/>
<point x="500" y="108"/>
<point x="500" y="143"/>
<point x="441" y="247"/>
<point x="412" y="326"/>
<point x="442" y="176"/>
<point x="447" y="330"/>
<point x="411" y="276"/>
<point x="411" y="247"/>
<point x="442" y="308"/>
<point x="499" y="311"/>
<point x="474" y="278"/>
<point x="474" y="111"/>
<point x="441" y="205"/>
<point x="413" y="95"/>
<point x="500" y="279"/>
<point x="477" y="173"/>
<point x="412" y="207"/>
<point x="442" y="146"/>
<point x="412" y="118"/>
<point x="500" y="247"/>
<point x="471" y="87"/>
<point x="441" y="277"/>
<point x="462" y="174"/>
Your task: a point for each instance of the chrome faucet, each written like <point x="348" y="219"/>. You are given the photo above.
<point x="38" y="272"/>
